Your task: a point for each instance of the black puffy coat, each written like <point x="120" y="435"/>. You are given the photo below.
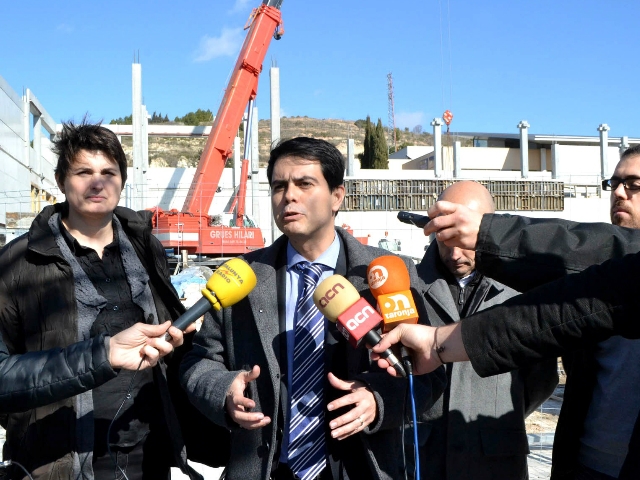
<point x="38" y="312"/>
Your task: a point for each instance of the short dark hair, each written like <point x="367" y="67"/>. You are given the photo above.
<point x="630" y="152"/>
<point x="330" y="159"/>
<point x="86" y="136"/>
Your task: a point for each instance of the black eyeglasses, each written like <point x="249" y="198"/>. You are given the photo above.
<point x="629" y="183"/>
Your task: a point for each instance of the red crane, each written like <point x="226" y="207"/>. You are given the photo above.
<point x="192" y="229"/>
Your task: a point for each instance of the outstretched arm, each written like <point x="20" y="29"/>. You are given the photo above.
<point x="35" y="379"/>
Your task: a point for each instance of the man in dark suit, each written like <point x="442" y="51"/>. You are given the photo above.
<point x="244" y="371"/>
<point x="476" y="429"/>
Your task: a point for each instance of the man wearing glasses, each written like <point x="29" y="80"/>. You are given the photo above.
<point x="607" y="373"/>
<point x="624" y="186"/>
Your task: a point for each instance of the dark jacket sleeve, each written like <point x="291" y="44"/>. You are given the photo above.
<point x="36" y="379"/>
<point x="524" y="253"/>
<point x="585" y="307"/>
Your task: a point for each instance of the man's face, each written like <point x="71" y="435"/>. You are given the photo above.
<point x="458" y="261"/>
<point x="303" y="205"/>
<point x="625" y="204"/>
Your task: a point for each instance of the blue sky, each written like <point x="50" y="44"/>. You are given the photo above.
<point x="563" y="66"/>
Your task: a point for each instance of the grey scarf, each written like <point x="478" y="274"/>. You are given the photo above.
<point x="88" y="305"/>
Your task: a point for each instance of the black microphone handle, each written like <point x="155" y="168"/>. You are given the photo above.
<point x="201" y="307"/>
<point x="372" y="338"/>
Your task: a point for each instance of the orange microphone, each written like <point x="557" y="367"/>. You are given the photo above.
<point x="390" y="284"/>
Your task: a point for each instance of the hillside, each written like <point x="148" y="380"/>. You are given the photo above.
<point x="185" y="152"/>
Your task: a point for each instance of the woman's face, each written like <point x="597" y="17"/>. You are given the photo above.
<point x="93" y="185"/>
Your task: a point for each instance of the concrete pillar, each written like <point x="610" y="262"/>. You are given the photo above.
<point x="457" y="146"/>
<point x="255" y="166"/>
<point x="524" y="148"/>
<point x="37" y="144"/>
<point x="26" y="127"/>
<point x="554" y="160"/>
<point x="603" y="128"/>
<point x="274" y="75"/>
<point x="351" y="146"/>
<point x="144" y="140"/>
<point x="543" y="159"/>
<point x="436" y="123"/>
<point x="624" y="144"/>
<point x="136" y="114"/>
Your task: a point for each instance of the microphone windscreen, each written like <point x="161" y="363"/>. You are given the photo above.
<point x="387" y="274"/>
<point x="230" y="283"/>
<point x="334" y="295"/>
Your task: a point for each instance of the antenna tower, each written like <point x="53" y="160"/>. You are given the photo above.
<point x="392" y="115"/>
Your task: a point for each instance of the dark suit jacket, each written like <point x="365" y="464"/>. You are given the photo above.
<point x="252" y="333"/>
<point x="481" y="434"/>
<point x="567" y="316"/>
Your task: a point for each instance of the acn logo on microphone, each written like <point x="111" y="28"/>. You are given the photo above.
<point x="330" y="294"/>
<point x="397" y="305"/>
<point x="377" y="276"/>
<point x="360" y="317"/>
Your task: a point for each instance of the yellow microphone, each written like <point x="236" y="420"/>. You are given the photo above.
<point x="230" y="283"/>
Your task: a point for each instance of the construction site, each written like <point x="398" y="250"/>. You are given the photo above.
<point x="221" y="209"/>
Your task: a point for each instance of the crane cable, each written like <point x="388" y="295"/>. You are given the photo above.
<point x="442" y="62"/>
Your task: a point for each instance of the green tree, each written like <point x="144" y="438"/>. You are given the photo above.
<point x="380" y="149"/>
<point x="196" y="118"/>
<point x="366" y="159"/>
<point x="128" y="120"/>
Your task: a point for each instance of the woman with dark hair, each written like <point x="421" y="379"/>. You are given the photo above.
<point x="88" y="268"/>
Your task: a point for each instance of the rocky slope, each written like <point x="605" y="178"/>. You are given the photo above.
<point x="185" y="152"/>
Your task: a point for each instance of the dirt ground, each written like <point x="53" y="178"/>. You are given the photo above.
<point x="544" y="419"/>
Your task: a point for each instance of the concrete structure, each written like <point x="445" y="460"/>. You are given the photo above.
<point x="604" y="147"/>
<point x="274" y="76"/>
<point x="524" y="148"/>
<point x="436" y="123"/>
<point x="26" y="161"/>
<point x="139" y="119"/>
<point x="351" y="146"/>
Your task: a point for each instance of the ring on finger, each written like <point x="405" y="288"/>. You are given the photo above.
<point x="361" y="421"/>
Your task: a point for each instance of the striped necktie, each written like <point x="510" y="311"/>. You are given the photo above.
<point x="306" y="428"/>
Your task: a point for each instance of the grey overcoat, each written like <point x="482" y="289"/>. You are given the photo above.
<point x="483" y="434"/>
<point x="252" y="333"/>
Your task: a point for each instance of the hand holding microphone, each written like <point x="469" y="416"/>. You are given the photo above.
<point x="356" y="319"/>
<point x="230" y="283"/>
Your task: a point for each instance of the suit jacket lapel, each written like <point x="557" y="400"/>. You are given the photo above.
<point x="440" y="294"/>
<point x="436" y="288"/>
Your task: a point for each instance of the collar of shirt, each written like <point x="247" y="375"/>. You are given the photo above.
<point x="463" y="282"/>
<point x="75" y="246"/>
<point x="329" y="257"/>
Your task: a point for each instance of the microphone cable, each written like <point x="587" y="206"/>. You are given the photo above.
<point x="405" y="418"/>
<point x="8" y="463"/>
<point x="406" y="360"/>
<point x="126" y="397"/>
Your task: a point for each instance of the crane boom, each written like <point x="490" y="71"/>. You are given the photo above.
<point x="242" y="87"/>
<point x="192" y="229"/>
